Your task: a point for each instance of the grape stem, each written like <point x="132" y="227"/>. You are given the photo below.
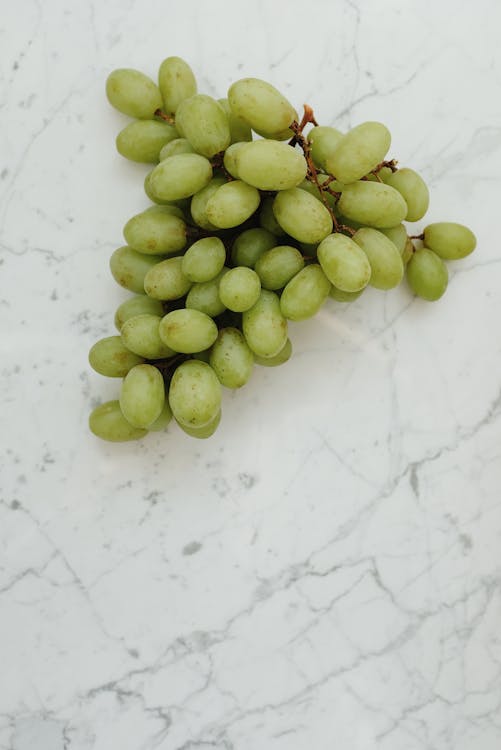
<point x="417" y="236"/>
<point x="164" y="116"/>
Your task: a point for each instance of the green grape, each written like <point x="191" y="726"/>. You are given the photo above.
<point x="142" y="396"/>
<point x="413" y="189"/>
<point x="264" y="326"/>
<point x="174" y="147"/>
<point x="283" y="356"/>
<point x="359" y="151"/>
<point x="407" y="252"/>
<point x="176" y="82"/>
<point x="427" y="274"/>
<point x="156" y="232"/>
<point x="129" y="268"/>
<point x="341" y="296"/>
<point x="311" y="188"/>
<point x="108" y="423"/>
<point x="200" y="200"/>
<point x="263" y="107"/>
<point x="205" y="296"/>
<point x="250" y="245"/>
<point x="323" y="140"/>
<point x="111" y="357"/>
<point x="163" y="420"/>
<point x="173" y="209"/>
<point x="386" y="263"/>
<point x="271" y="165"/>
<point x="239" y="289"/>
<point x="372" y="204"/>
<point x="195" y="394"/>
<point x="277" y="266"/>
<point x="139" y="305"/>
<point x="230" y="158"/>
<point x="449" y="241"/>
<point x="166" y="280"/>
<point x="187" y="330"/>
<point x="205" y="431"/>
<point x="143" y="140"/>
<point x="305" y="294"/>
<point x="398" y="235"/>
<point x="203" y="122"/>
<point x="180" y="176"/>
<point x="267" y="218"/>
<point x="140" y="335"/>
<point x="232" y="204"/>
<point x="133" y="93"/>
<point x="204" y="260"/>
<point x="239" y="129"/>
<point x="231" y="359"/>
<point x="344" y="263"/>
<point x="302" y="215"/>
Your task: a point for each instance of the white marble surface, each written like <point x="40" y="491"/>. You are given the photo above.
<point x="324" y="573"/>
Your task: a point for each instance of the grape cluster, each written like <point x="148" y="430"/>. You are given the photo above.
<point x="244" y="235"/>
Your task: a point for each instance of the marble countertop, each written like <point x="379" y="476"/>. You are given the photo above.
<point x="324" y="573"/>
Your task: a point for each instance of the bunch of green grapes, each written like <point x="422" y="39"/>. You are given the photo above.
<point x="244" y="235"/>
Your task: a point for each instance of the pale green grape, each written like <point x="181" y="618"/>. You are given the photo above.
<point x="163" y="420"/>
<point x="277" y="266"/>
<point x="111" y="357"/>
<point x="176" y="82"/>
<point x="264" y="326"/>
<point x="232" y="204"/>
<point x="283" y="356"/>
<point x="173" y="209"/>
<point x="143" y="140"/>
<point x="271" y="165"/>
<point x="302" y="215"/>
<point x="199" y="201"/>
<point x="204" y="260"/>
<point x="129" y="268"/>
<point x="372" y="204"/>
<point x="203" y="122"/>
<point x="323" y="140"/>
<point x="139" y="305"/>
<point x="133" y="93"/>
<point x="407" y="252"/>
<point x="344" y="263"/>
<point x="205" y="296"/>
<point x="427" y="274"/>
<point x="206" y="431"/>
<point x="230" y="158"/>
<point x="142" y="395"/>
<point x="108" y="423"/>
<point x="187" y="331"/>
<point x="180" y="176"/>
<point x="231" y="359"/>
<point x="412" y="188"/>
<point x="398" y="235"/>
<point x="239" y="289"/>
<point x="239" y="129"/>
<point x="341" y="296"/>
<point x="262" y="106"/>
<point x="267" y="218"/>
<point x="386" y="263"/>
<point x="156" y="232"/>
<point x="449" y="241"/>
<point x="174" y="147"/>
<point x="250" y="245"/>
<point x="359" y="151"/>
<point x="195" y="394"/>
<point x="166" y="280"/>
<point x="140" y="335"/>
<point x="305" y="294"/>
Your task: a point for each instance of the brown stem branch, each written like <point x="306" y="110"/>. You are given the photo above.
<point x="164" y="116"/>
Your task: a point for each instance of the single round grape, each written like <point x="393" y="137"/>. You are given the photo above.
<point x="407" y="252"/>
<point x="203" y="122"/>
<point x="267" y="218"/>
<point x="206" y="431"/>
<point x="344" y="263"/>
<point x="110" y="357"/>
<point x="427" y="274"/>
<point x="271" y="165"/>
<point x="174" y="147"/>
<point x="195" y="394"/>
<point x="166" y="280"/>
<point x="163" y="420"/>
<point x="239" y="289"/>
<point x="205" y="296"/>
<point x="250" y="245"/>
<point x="262" y="106"/>
<point x="302" y="215"/>
<point x="323" y="140"/>
<point x="176" y="82"/>
<point x="305" y="294"/>
<point x="129" y="268"/>
<point x="386" y="263"/>
<point x="180" y="176"/>
<point x="143" y="140"/>
<point x="449" y="240"/>
<point x="204" y="260"/>
<point x="232" y="204"/>
<point x="359" y="151"/>
<point x="372" y="204"/>
<point x="137" y="305"/>
<point x="414" y="191"/>
<point x="230" y="158"/>
<point x="231" y="359"/>
<point x="277" y="266"/>
<point x="398" y="235"/>
<point x="107" y="422"/>
<point x="341" y="296"/>
<point x="239" y="129"/>
<point x="156" y="232"/>
<point x="142" y="396"/>
<point x="264" y="326"/>
<point x="140" y="335"/>
<point x="283" y="356"/>
<point x="187" y="330"/>
<point x="133" y="93"/>
<point x="199" y="202"/>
